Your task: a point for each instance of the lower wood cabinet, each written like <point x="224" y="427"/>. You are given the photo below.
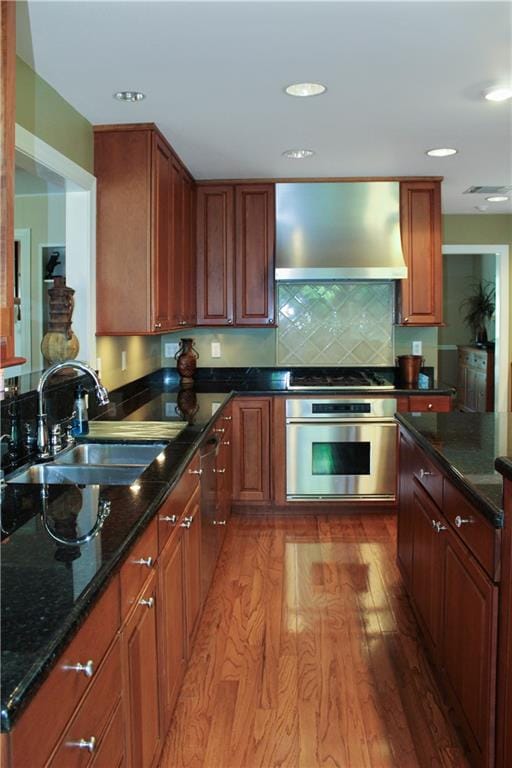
<point x="451" y="580"/>
<point x="475" y="379"/>
<point x="140" y="679"/>
<point x="251" y="449"/>
<point x="504" y="718"/>
<point x="424" y="403"/>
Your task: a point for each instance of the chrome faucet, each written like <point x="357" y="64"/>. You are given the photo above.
<point x="42" y="422"/>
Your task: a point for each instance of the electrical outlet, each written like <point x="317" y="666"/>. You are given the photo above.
<point x="215" y="348"/>
<point x="417" y="347"/>
<point x="124" y="366"/>
<point x="170" y="349"/>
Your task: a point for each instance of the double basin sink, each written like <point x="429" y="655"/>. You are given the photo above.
<point x="94" y="464"/>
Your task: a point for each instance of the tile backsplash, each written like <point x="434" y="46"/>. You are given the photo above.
<point x="335" y="323"/>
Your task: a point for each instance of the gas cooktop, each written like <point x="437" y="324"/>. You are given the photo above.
<point x="358" y="380"/>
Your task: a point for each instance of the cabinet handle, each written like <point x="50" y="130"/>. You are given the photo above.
<point x="230" y="320"/>
<point x="182" y="322"/>
<point x="172" y="519"/>
<point x="219" y="471"/>
<point x="405" y="320"/>
<point x="425" y="473"/>
<point x="89" y="744"/>
<point x="158" y="325"/>
<point x="439" y="527"/>
<point x="87" y="668"/>
<point x="195" y="471"/>
<point x="225" y="442"/>
<point x="219" y="429"/>
<point x="187" y="522"/>
<point x="147" y="561"/>
<point x="430" y="406"/>
<point x="434" y="523"/>
<point x="460" y="521"/>
<point x="149" y="603"/>
<point x="227" y="418"/>
<point x="219" y="522"/>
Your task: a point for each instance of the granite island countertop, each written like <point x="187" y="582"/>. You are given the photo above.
<point x="467" y="446"/>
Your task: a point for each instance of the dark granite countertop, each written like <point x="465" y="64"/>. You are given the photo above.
<point x="467" y="445"/>
<point x="503" y="464"/>
<point x="48" y="588"/>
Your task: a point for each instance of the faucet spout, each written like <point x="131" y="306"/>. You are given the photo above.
<point x="42" y="426"/>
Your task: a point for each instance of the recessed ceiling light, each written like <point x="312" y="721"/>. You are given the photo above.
<point x="497" y="199"/>
<point x="298" y="154"/>
<point x="129" y="96"/>
<point x="305" y="89"/>
<point x="441" y="152"/>
<point x="499" y="93"/>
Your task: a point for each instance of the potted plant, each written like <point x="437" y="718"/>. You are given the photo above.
<point x="479" y="307"/>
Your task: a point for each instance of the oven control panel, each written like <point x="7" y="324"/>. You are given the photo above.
<point x="350" y="408"/>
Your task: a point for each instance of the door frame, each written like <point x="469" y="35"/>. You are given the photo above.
<point x="502" y="356"/>
<point x="80" y="238"/>
<point x="23" y="235"/>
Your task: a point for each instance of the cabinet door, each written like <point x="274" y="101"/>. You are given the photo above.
<point x="254" y="254"/>
<point x="192" y="538"/>
<point x="163" y="245"/>
<point x="140" y="654"/>
<point x="171" y="625"/>
<point x="420" y="223"/>
<point x="426" y="564"/>
<point x="251" y="449"/>
<point x="178" y="255"/>
<point x="405" y="516"/>
<point x="469" y="621"/>
<point x="215" y="250"/>
<point x="188" y="284"/>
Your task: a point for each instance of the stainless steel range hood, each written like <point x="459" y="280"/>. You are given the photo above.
<point x="339" y="231"/>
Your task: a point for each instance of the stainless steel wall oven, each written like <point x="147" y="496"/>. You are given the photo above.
<point x="341" y="448"/>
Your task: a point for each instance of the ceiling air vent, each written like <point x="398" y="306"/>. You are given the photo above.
<point x="503" y="190"/>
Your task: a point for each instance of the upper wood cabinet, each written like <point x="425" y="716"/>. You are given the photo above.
<point x="145" y="258"/>
<point x="420" y="222"/>
<point x="235" y="254"/>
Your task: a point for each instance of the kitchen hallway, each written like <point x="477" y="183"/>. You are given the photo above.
<point x="308" y="655"/>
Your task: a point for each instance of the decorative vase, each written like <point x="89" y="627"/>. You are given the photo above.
<point x="187" y="405"/>
<point x="60" y="343"/>
<point x="481" y="336"/>
<point x="186" y="359"/>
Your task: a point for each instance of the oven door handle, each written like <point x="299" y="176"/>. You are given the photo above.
<point x="349" y="422"/>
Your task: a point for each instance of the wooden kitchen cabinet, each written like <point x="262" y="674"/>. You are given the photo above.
<point x="144" y="232"/>
<point x="421" y="299"/>
<point x="424" y="403"/>
<point x="475" y="379"/>
<point x="235" y="254"/>
<point x="451" y="575"/>
<point x="140" y="678"/>
<point x="504" y="717"/>
<point x="251" y="449"/>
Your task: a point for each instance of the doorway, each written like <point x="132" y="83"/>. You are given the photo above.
<point x="464" y="267"/>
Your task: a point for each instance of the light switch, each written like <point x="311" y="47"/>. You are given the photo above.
<point x="124" y="366"/>
<point x="215" y="348"/>
<point x="170" y="349"/>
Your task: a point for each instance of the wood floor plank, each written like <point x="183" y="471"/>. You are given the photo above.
<point x="308" y="656"/>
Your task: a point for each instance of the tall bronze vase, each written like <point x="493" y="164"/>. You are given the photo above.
<point x="186" y="360"/>
<point x="60" y="343"/>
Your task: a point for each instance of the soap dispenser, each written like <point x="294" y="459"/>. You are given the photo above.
<point x="80" y="423"/>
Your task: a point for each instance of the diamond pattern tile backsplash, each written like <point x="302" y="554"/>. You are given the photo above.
<point x="335" y="323"/>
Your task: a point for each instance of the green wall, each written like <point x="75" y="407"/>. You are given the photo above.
<point x="43" y="112"/>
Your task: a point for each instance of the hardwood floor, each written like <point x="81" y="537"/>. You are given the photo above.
<point x="307" y="655"/>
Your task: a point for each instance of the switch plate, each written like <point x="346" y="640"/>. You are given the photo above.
<point x="417" y="347"/>
<point x="215" y="348"/>
<point x="124" y="366"/>
<point x="170" y="349"/>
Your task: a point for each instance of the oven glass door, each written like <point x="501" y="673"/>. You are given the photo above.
<point x="339" y="460"/>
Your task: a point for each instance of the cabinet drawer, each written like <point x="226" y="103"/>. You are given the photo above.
<point x="436" y="404"/>
<point x="89" y="725"/>
<point x="482" y="539"/>
<point x="54" y="704"/>
<point x="172" y="508"/>
<point x="429" y="477"/>
<point x="139" y="564"/>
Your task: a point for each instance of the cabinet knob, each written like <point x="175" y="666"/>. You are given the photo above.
<point x="227" y="418"/>
<point x="219" y="522"/>
<point x="195" y="471"/>
<point x="158" y="325"/>
<point x="87" y="668"/>
<point x="460" y="521"/>
<point x="430" y="406"/>
<point x="221" y="430"/>
<point x="187" y="522"/>
<point x="182" y="322"/>
<point x="89" y="744"/>
<point x="425" y="473"/>
<point x="405" y="320"/>
<point x="225" y="442"/>
<point x="172" y="519"/>
<point x="147" y="561"/>
<point x="438" y="527"/>
<point x="219" y="471"/>
<point x="149" y="602"/>
<point x="230" y="321"/>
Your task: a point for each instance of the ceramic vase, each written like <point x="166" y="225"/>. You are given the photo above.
<point x="186" y="360"/>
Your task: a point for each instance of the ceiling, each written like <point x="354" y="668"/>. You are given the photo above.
<point x="402" y="77"/>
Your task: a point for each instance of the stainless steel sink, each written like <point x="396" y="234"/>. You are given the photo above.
<point x="57" y="474"/>
<point x="109" y="454"/>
